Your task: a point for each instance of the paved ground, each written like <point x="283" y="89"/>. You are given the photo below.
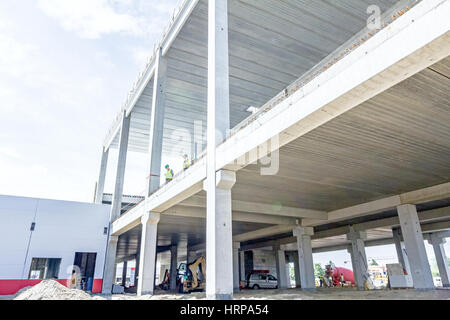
<point x="319" y="294"/>
<point x="295" y="294"/>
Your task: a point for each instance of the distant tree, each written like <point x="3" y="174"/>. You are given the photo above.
<point x="318" y="270"/>
<point x="374" y="263"/>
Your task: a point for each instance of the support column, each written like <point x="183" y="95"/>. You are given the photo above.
<point x="415" y="247"/>
<point x="296" y="269"/>
<point x="236" y="247"/>
<point x="441" y="258"/>
<point x="400" y="248"/>
<point x="280" y="259"/>
<point x="110" y="265"/>
<point x="173" y="267"/>
<point x="242" y="265"/>
<point x="305" y="259"/>
<point x="102" y="176"/>
<point x="157" y="123"/>
<point x="359" y="258"/>
<point x="219" y="247"/>
<point x="116" y="204"/>
<point x="191" y="256"/>
<point x="147" y="263"/>
<point x="124" y="273"/>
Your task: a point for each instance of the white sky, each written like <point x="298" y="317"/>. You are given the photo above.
<point x="65" y="69"/>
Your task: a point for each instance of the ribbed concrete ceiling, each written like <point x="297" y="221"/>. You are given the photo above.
<point x="271" y="44"/>
<point x="397" y="142"/>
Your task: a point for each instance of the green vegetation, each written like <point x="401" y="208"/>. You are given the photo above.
<point x="318" y="270"/>
<point x="374" y="263"/>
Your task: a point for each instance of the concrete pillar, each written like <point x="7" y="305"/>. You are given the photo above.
<point x="173" y="267"/>
<point x="280" y="259"/>
<point x="124" y="273"/>
<point x="102" y="177"/>
<point x="191" y="256"/>
<point x="242" y="266"/>
<point x="121" y="164"/>
<point x="219" y="237"/>
<point x="296" y="269"/>
<point x="400" y="248"/>
<point x="147" y="263"/>
<point x="110" y="265"/>
<point x="236" y="247"/>
<point x="116" y="204"/>
<point x="415" y="247"/>
<point x="359" y="258"/>
<point x="157" y="123"/>
<point x="305" y="259"/>
<point x="441" y="258"/>
<point x="219" y="247"/>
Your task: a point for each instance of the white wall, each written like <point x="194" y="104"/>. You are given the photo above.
<point x="62" y="228"/>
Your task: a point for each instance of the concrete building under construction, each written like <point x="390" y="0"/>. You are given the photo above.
<point x="313" y="128"/>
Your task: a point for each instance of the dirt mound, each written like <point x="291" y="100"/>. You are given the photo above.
<point x="51" y="290"/>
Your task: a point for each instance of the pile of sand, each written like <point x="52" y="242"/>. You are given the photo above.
<point x="52" y="290"/>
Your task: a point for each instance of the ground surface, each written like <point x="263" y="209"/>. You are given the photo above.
<point x="52" y="290"/>
<point x="320" y="294"/>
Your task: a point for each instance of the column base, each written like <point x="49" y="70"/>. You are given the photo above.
<point x="145" y="293"/>
<point x="219" y="296"/>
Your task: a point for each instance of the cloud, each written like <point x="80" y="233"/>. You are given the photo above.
<point x="92" y="19"/>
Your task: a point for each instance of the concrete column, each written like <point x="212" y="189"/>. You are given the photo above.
<point x="400" y="248"/>
<point x="157" y="123"/>
<point x="415" y="247"/>
<point x="116" y="204"/>
<point x="305" y="259"/>
<point x="124" y="273"/>
<point x="236" y="247"/>
<point x="441" y="258"/>
<point x="147" y="263"/>
<point x="173" y="267"/>
<point x="109" y="270"/>
<point x="219" y="237"/>
<point x="359" y="258"/>
<point x="102" y="176"/>
<point x="242" y="265"/>
<point x="136" y="270"/>
<point x="219" y="248"/>
<point x="191" y="256"/>
<point x="121" y="164"/>
<point x="280" y="259"/>
<point x="296" y="269"/>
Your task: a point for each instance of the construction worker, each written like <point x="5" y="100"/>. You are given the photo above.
<point x="186" y="163"/>
<point x="169" y="174"/>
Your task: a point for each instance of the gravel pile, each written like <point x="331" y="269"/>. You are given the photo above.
<point x="52" y="290"/>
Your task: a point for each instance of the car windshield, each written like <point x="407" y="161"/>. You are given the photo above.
<point x="272" y="278"/>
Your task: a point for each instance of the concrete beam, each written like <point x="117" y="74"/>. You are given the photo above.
<point x="437" y="192"/>
<point x="261" y="208"/>
<point x="194" y="212"/>
<point x="424" y="216"/>
<point x="261" y="233"/>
